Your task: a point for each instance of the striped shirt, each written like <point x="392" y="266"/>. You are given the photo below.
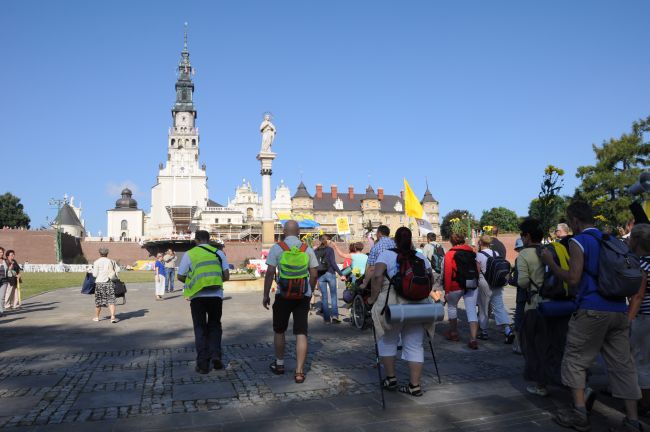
<point x="645" y="303"/>
<point x="383" y="244"/>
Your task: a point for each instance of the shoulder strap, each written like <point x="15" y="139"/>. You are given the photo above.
<point x="488" y="255"/>
<point x="215" y="254"/>
<point x="303" y="247"/>
<point x="284" y="246"/>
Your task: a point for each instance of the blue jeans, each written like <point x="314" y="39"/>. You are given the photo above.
<point x="323" y="282"/>
<point x="169" y="279"/>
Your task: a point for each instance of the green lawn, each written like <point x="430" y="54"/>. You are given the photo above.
<point x="35" y="283"/>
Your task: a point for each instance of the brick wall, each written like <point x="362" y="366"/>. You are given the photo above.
<point x="126" y="253"/>
<point x="38" y="247"/>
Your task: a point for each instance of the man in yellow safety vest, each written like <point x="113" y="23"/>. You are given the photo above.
<point x="203" y="270"/>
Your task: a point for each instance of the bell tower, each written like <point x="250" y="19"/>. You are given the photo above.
<point x="181" y="190"/>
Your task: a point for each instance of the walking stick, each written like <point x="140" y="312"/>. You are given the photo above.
<point x="381" y="387"/>
<point x="435" y="363"/>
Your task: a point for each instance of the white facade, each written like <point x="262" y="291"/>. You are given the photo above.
<point x="125" y="224"/>
<point x="249" y="203"/>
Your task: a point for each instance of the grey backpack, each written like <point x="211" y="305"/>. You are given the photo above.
<point x="619" y="270"/>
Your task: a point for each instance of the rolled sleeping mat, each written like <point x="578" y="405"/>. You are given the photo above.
<point x="420" y="313"/>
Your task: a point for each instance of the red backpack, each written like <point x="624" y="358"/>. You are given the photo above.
<point x="412" y="280"/>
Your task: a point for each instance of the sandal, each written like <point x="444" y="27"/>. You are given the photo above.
<point x="411" y="390"/>
<point x="299" y="377"/>
<point x="276" y="368"/>
<point x="473" y="344"/>
<point x="389" y="383"/>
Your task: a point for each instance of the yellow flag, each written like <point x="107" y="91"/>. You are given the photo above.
<point x="412" y="206"/>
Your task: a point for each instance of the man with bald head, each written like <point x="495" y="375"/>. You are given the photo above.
<point x="292" y="296"/>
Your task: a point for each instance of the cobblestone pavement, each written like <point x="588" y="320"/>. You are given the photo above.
<point x="61" y="371"/>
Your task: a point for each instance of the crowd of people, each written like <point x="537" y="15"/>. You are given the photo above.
<point x="563" y="325"/>
<point x="568" y="315"/>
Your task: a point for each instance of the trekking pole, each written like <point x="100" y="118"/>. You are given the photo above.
<point x="381" y="387"/>
<point x="435" y="363"/>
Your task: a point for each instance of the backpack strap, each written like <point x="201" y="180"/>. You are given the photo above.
<point x="284" y="246"/>
<point x="600" y="243"/>
<point x="488" y="255"/>
<point x="303" y="247"/>
<point x="215" y="254"/>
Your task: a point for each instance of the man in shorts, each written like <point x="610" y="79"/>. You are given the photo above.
<point x="283" y="308"/>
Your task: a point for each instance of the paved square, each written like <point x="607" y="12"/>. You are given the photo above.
<point x="104" y="399"/>
<point x="117" y="376"/>
<point x="139" y="375"/>
<point x="212" y="390"/>
<point x="286" y="384"/>
<point x="29" y="381"/>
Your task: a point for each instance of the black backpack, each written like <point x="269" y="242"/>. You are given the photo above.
<point x="323" y="263"/>
<point x="438" y="258"/>
<point x="497" y="270"/>
<point x="466" y="273"/>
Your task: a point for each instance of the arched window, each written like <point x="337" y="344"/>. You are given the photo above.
<point x="194" y="142"/>
<point x="173" y="142"/>
<point x="124" y="224"/>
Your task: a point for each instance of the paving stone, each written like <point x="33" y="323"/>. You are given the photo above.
<point x="213" y="390"/>
<point x="117" y="376"/>
<point x="286" y="384"/>
<point x="183" y="355"/>
<point x="14" y="406"/>
<point x="263" y="365"/>
<point x="54" y="365"/>
<point x="29" y="381"/>
<point x="137" y="361"/>
<point x="106" y="399"/>
<point x="362" y="376"/>
<point x="187" y="372"/>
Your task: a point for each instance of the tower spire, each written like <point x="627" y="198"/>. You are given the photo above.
<point x="185" y="39"/>
<point x="184" y="84"/>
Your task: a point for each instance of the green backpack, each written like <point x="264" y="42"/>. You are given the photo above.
<point x="293" y="271"/>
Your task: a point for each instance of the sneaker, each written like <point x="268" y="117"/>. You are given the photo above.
<point x="572" y="418"/>
<point x="96" y="319"/>
<point x="483" y="335"/>
<point x="627" y="426"/>
<point x="537" y="391"/>
<point x="336" y="320"/>
<point x="510" y="338"/>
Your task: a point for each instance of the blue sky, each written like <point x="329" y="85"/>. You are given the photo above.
<point x="477" y="96"/>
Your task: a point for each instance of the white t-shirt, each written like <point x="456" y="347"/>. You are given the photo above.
<point x="482" y="260"/>
<point x="104" y="270"/>
<point x="389" y="258"/>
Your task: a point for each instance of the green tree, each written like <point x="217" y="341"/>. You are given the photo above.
<point x="11" y="212"/>
<point x="618" y="165"/>
<point x="445" y="227"/>
<point x="549" y="206"/>
<point x="561" y="202"/>
<point x="506" y="219"/>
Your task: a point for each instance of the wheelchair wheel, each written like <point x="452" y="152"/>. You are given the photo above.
<point x="358" y="312"/>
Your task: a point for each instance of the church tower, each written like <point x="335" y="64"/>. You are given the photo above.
<point x="181" y="190"/>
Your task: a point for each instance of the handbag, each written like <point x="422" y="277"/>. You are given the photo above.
<point x="119" y="287"/>
<point x="88" y="286"/>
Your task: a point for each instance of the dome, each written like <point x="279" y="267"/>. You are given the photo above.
<point x="126" y="201"/>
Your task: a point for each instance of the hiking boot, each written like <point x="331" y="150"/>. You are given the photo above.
<point x="572" y="418"/>
<point x="627" y="426"/>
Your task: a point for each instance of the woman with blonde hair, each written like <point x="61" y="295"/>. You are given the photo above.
<point x="105" y="270"/>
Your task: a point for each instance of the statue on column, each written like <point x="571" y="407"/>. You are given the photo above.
<point x="267" y="129"/>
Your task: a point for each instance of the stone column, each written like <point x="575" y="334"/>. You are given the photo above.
<point x="268" y="224"/>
